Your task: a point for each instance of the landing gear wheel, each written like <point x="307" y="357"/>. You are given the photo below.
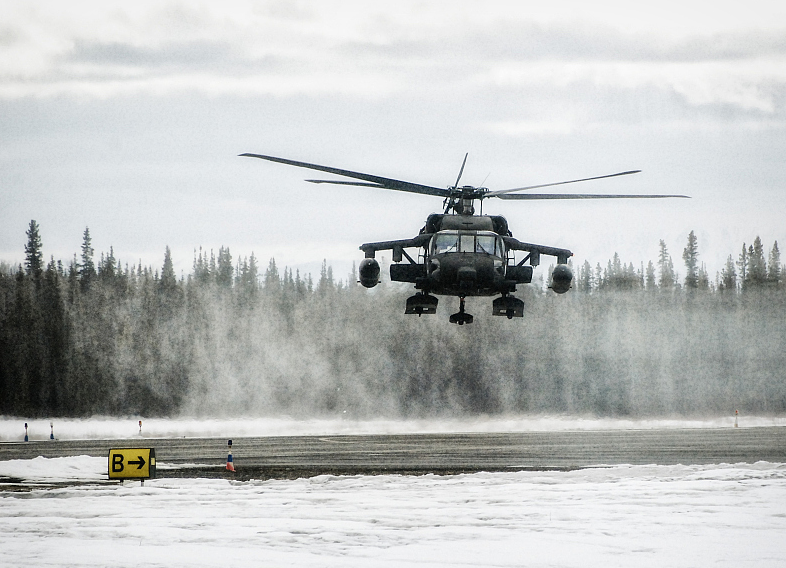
<point x="461" y="317"/>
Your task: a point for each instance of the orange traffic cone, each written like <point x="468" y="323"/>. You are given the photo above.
<point x="230" y="464"/>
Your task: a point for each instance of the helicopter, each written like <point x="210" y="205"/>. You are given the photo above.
<point x="462" y="254"/>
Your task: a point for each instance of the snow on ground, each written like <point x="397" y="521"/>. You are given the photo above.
<point x="644" y="516"/>
<point x="13" y="429"/>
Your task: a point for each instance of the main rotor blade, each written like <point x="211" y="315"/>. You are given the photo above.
<point x="461" y="171"/>
<point x="580" y="196"/>
<point x="386" y="183"/>
<point x="337" y="182"/>
<point x="500" y="192"/>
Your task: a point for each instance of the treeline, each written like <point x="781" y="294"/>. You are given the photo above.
<point x="750" y="271"/>
<point x="228" y="339"/>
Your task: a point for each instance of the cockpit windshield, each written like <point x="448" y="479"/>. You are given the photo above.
<point x="480" y="242"/>
<point x="446" y="242"/>
<point x="485" y="243"/>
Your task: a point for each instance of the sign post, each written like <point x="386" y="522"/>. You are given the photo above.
<point x="132" y="463"/>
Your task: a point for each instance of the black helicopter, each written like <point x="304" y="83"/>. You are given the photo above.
<point x="462" y="254"/>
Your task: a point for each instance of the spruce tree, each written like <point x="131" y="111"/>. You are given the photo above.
<point x="253" y="271"/>
<point x="34" y="256"/>
<point x="168" y="281"/>
<point x="691" y="257"/>
<point x="757" y="266"/>
<point x="774" y="267"/>
<point x="272" y="278"/>
<point x="87" y="268"/>
<point x="742" y="264"/>
<point x="703" y="280"/>
<point x="729" y="276"/>
<point x="585" y="278"/>
<point x="665" y="268"/>
<point x="225" y="269"/>
<point x="651" y="281"/>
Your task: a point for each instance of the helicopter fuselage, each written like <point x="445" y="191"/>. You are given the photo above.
<point x="460" y="255"/>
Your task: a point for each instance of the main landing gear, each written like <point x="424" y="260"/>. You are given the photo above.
<point x="461" y="317"/>
<point x="508" y="306"/>
<point x="421" y="304"/>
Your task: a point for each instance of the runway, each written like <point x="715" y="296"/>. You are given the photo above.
<point x="289" y="457"/>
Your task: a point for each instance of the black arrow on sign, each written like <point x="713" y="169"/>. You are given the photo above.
<point x="141" y="462"/>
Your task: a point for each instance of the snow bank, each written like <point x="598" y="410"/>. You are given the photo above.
<point x="647" y="516"/>
<point x="40" y="469"/>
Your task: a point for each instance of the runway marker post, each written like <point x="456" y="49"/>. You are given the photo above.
<point x="140" y="427"/>
<point x="230" y="463"/>
<point x="736" y="413"/>
<point x="26" y="438"/>
<point x="51" y="430"/>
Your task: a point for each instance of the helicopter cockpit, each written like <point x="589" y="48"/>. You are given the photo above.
<point x="484" y="242"/>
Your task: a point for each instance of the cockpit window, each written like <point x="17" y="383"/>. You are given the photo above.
<point x="461" y="242"/>
<point x="445" y="243"/>
<point x="467" y="243"/>
<point x="484" y="243"/>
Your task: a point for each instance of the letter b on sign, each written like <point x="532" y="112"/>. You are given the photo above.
<point x="117" y="463"/>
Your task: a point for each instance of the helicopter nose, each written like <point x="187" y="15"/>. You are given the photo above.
<point x="467" y="276"/>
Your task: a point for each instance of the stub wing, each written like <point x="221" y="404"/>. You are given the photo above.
<point x="371" y="248"/>
<point x="536" y="250"/>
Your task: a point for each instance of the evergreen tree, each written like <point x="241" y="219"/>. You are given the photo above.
<point x="272" y="278"/>
<point x="202" y="273"/>
<point x="241" y="272"/>
<point x="352" y="277"/>
<point x="665" y="268"/>
<point x="325" y="278"/>
<point x="729" y="276"/>
<point x="55" y="338"/>
<point x="168" y="281"/>
<point x="616" y="271"/>
<point x="34" y="256"/>
<point x="253" y="272"/>
<point x="691" y="257"/>
<point x="300" y="285"/>
<point x="651" y="281"/>
<point x="107" y="269"/>
<point x="212" y="270"/>
<point x="742" y="264"/>
<point x="289" y="280"/>
<point x="225" y="270"/>
<point x="703" y="281"/>
<point x="756" y="276"/>
<point x="87" y="269"/>
<point x="774" y="267"/>
<point x="585" y="278"/>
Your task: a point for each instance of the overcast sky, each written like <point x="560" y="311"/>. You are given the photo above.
<point x="127" y="118"/>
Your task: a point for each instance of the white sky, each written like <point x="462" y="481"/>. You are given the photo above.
<point x="127" y="118"/>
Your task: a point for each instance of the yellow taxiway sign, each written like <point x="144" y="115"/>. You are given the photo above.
<point x="132" y="463"/>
